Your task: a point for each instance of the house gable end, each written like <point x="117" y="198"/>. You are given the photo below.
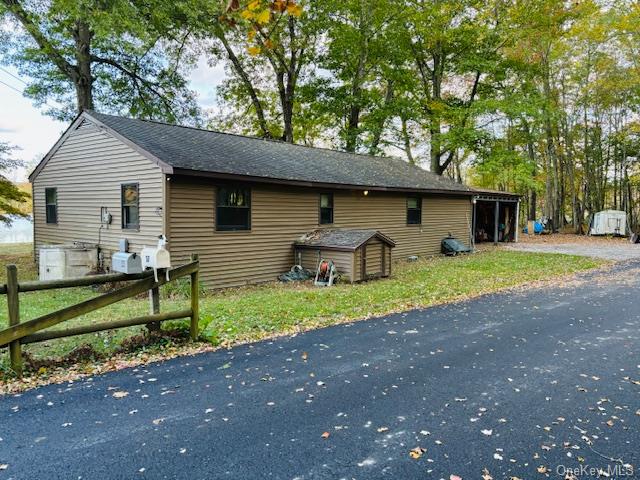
<point x="85" y="120"/>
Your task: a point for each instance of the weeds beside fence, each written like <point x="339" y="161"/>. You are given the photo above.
<point x="35" y="330"/>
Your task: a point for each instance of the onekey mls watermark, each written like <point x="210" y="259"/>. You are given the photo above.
<point x="616" y="470"/>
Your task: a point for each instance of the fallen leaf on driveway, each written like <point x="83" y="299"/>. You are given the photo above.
<point x="119" y="394"/>
<point x="417" y="452"/>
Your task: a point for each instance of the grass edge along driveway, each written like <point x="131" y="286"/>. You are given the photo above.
<point x="244" y="314"/>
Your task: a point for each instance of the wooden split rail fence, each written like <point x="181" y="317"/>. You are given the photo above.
<point x="19" y="333"/>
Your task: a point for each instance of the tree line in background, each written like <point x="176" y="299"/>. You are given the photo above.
<point x="539" y="97"/>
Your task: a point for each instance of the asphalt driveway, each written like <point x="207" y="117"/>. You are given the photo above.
<point x="523" y="384"/>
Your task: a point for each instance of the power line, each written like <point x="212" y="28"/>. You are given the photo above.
<point x="22" y="93"/>
<point x="12" y="87"/>
<point x="12" y="75"/>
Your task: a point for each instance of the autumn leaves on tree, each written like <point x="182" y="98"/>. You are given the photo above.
<point x="533" y="96"/>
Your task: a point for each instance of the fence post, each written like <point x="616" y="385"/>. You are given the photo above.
<point x="13" y="307"/>
<point x="154" y="307"/>
<point x="195" y="300"/>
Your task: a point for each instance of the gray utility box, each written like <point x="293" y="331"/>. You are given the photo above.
<point x="126" y="262"/>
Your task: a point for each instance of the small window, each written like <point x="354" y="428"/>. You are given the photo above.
<point x="233" y="209"/>
<point x="130" y="206"/>
<point x="326" y="208"/>
<point x="414" y="211"/>
<point x="51" y="201"/>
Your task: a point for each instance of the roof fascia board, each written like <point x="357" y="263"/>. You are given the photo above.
<point x="325" y="247"/>
<point x="299" y="183"/>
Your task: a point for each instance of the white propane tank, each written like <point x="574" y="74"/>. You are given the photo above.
<point x="157" y="258"/>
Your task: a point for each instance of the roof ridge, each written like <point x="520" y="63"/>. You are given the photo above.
<point x="273" y="140"/>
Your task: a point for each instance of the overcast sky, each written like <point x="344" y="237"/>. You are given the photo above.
<point x="23" y="125"/>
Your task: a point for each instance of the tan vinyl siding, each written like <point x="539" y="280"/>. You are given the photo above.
<point x="374" y="258"/>
<point x="281" y="214"/>
<point x="88" y="170"/>
<point x="309" y="258"/>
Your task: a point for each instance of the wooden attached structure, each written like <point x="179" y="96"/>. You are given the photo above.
<point x="357" y="254"/>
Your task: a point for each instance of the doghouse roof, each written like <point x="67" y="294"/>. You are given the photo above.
<point x="341" y="238"/>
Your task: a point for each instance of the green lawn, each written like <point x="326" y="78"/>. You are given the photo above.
<point x="251" y="313"/>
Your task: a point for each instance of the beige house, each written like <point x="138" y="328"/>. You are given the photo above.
<point x="239" y="202"/>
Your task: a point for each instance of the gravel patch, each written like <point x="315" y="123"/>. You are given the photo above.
<point x="619" y="251"/>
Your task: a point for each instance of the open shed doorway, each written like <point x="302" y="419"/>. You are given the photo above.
<point x="495" y="219"/>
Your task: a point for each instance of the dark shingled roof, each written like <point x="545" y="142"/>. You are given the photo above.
<point x="190" y="150"/>
<point x="342" y="238"/>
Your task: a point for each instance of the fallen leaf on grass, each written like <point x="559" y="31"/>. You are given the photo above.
<point x="417" y="452"/>
<point x="119" y="394"/>
<point x="325" y="435"/>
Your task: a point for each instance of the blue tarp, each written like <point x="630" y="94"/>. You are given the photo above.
<point x="537" y="228"/>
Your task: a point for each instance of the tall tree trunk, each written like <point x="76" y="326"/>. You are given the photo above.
<point x="531" y="153"/>
<point x="435" y="127"/>
<point x="407" y="141"/>
<point x="353" y="118"/>
<point x="379" y="126"/>
<point x="256" y="103"/>
<point x="84" y="80"/>
<point x="552" y="155"/>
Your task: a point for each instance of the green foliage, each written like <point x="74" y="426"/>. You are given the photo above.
<point x="117" y="56"/>
<point x="11" y="196"/>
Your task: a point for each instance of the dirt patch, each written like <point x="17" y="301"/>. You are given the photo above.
<point x="568" y="238"/>
<point x="609" y="248"/>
